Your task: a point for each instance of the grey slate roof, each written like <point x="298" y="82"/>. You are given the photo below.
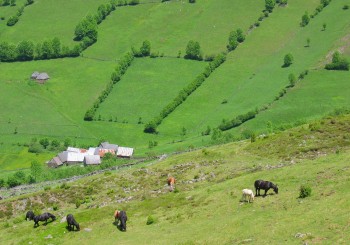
<point x="92" y="160"/>
<point x="107" y="145"/>
<point x="34" y="75"/>
<point x="42" y="76"/>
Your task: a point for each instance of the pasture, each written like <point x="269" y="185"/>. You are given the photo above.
<point x="207" y="200"/>
<point x="247" y="83"/>
<point x="147" y="87"/>
<point x="251" y="77"/>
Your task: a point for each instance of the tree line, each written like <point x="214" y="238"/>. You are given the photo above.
<point x="27" y="50"/>
<point x="151" y="127"/>
<point x="121" y="68"/>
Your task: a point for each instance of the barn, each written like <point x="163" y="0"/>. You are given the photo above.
<point x="54" y="162"/>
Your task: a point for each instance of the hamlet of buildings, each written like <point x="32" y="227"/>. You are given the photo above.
<point x="91" y="156"/>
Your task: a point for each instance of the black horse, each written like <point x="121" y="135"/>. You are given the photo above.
<point x="121" y="216"/>
<point x="30" y="215"/>
<point x="72" y="222"/>
<point x="43" y="217"/>
<point x="265" y="185"/>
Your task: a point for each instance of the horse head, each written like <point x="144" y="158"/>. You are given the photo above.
<point x="275" y="188"/>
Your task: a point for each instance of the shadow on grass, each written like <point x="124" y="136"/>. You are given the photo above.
<point x="263" y="196"/>
<point x="115" y="223"/>
<point x="67" y="227"/>
<point x="36" y="226"/>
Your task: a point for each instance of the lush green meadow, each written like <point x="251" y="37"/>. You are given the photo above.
<point x="250" y="78"/>
<point x="317" y="95"/>
<point x="41" y="21"/>
<point x="253" y="75"/>
<point x="207" y="206"/>
<point x="170" y="25"/>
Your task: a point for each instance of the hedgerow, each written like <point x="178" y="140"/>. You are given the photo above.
<point x="150" y="127"/>
<point x="123" y="65"/>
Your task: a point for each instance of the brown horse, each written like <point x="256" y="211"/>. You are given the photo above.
<point x="171" y="183"/>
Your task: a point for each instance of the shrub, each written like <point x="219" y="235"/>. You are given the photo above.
<point x="345" y="7"/>
<point x="150" y="220"/>
<point x="12" y="20"/>
<point x="192" y="1"/>
<point x="269" y="5"/>
<point x="150" y="128"/>
<point x="305" y="191"/>
<point x="145" y="49"/>
<point x="193" y="51"/>
<point x="288" y="60"/>
<point x="55" y="207"/>
<point x="77" y="203"/>
<point x="338" y="63"/>
<point x="35" y="148"/>
<point x="305" y="19"/>
<point x="292" y="79"/>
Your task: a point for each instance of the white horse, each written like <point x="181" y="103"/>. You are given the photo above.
<point x="247" y="193"/>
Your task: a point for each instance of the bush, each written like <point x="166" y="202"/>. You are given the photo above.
<point x="269" y="5"/>
<point x="145" y="49"/>
<point x="193" y="51"/>
<point x="12" y="20"/>
<point x="345" y="7"/>
<point x="305" y="191"/>
<point x="292" y="79"/>
<point x="305" y="19"/>
<point x="55" y="207"/>
<point x="150" y="220"/>
<point x="338" y="63"/>
<point x="77" y="203"/>
<point x="150" y="128"/>
<point x="35" y="148"/>
<point x="288" y="60"/>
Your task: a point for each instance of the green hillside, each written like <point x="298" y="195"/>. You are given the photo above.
<point x="250" y="79"/>
<point x="206" y="208"/>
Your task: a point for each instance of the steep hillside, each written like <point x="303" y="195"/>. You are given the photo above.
<point x="206" y="206"/>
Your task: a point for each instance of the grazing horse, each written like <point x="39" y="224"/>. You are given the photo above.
<point x="171" y="183"/>
<point x="247" y="193"/>
<point x="121" y="216"/>
<point x="71" y="223"/>
<point x="30" y="215"/>
<point x="265" y="185"/>
<point x="43" y="217"/>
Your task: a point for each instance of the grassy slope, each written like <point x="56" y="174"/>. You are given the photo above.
<point x="62" y="19"/>
<point x="76" y="83"/>
<point x="209" y="211"/>
<point x="248" y="83"/>
<point x="147" y="87"/>
<point x="317" y="95"/>
<point x="7" y="12"/>
<point x="170" y="25"/>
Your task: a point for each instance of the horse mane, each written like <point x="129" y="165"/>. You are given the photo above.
<point x="116" y="213"/>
